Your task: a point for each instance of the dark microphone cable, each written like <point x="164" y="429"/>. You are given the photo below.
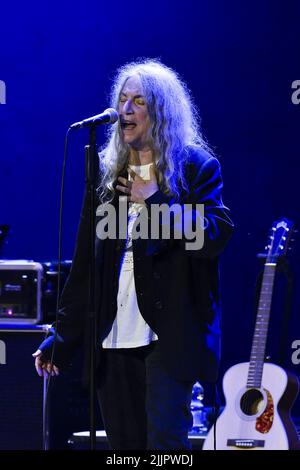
<point x="48" y="381"/>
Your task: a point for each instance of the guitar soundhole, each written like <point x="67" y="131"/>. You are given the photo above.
<point x="252" y="402"/>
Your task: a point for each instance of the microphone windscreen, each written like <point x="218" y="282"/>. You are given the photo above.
<point x="114" y="116"/>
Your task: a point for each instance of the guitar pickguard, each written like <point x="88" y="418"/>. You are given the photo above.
<point x="265" y="421"/>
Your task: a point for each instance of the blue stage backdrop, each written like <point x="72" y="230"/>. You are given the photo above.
<point x="240" y="60"/>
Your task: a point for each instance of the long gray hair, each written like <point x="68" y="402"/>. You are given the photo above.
<point x="174" y="125"/>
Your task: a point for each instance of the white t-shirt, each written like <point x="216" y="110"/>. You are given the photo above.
<point x="129" y="329"/>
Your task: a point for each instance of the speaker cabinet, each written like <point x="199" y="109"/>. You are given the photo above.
<point x="21" y="389"/>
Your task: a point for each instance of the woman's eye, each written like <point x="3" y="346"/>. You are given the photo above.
<point x="140" y="101"/>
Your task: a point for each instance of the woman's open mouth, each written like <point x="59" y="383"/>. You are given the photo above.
<point x="128" y="126"/>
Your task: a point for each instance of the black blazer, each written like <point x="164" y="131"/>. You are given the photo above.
<point x="177" y="290"/>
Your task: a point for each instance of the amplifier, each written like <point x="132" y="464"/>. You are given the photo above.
<point x="20" y="291"/>
<point x="24" y="423"/>
<point x="21" y="389"/>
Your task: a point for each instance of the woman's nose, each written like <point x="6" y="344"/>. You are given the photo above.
<point x="128" y="107"/>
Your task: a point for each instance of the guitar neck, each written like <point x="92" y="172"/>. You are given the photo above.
<point x="261" y="326"/>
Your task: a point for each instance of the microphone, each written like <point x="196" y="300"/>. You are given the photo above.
<point x="109" y="116"/>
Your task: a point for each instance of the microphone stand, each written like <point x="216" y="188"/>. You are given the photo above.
<point x="91" y="171"/>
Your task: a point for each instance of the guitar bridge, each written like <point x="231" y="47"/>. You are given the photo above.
<point x="245" y="443"/>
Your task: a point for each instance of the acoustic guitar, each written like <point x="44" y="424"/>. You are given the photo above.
<point x="259" y="394"/>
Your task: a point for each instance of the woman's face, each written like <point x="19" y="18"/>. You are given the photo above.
<point x="134" y="117"/>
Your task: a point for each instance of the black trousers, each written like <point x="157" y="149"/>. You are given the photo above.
<point x="142" y="406"/>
